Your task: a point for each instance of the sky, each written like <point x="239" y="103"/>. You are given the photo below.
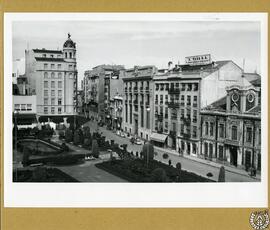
<point x="132" y="43"/>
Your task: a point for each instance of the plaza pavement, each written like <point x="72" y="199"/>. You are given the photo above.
<point x="192" y="164"/>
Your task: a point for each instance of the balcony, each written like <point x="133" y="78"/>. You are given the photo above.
<point x="186" y="120"/>
<point x="173" y="104"/>
<point x="162" y="88"/>
<point x="129" y="88"/>
<point x="172" y="134"/>
<point x="141" y="89"/>
<point x="166" y="116"/>
<point x="147" y="89"/>
<point x="135" y="102"/>
<point x="186" y="135"/>
<point x="174" y="91"/>
<point x="126" y="89"/>
<point x="232" y="142"/>
<point x="141" y="103"/>
<point x="130" y="101"/>
<point x="160" y="117"/>
<point x="135" y="89"/>
<point x="195" y="105"/>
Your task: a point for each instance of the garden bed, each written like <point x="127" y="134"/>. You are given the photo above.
<point x="136" y="171"/>
<point x="42" y="175"/>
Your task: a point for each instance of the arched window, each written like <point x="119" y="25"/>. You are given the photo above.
<point x="59" y="75"/>
<point x="70" y="55"/>
<point x="45" y="75"/>
<point x="52" y="74"/>
<point x="65" y="55"/>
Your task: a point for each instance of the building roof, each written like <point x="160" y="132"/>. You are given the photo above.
<point x="47" y="51"/>
<point x="220" y="104"/>
<point x="253" y="78"/>
<point x="69" y="43"/>
<point x="50" y="59"/>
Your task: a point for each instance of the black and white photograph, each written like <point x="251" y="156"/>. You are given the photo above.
<point x="137" y="101"/>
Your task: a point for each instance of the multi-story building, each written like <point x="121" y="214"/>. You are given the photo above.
<point x="98" y="83"/>
<point x="116" y="112"/>
<point x="138" y="101"/>
<point x="231" y="128"/>
<point x="181" y="92"/>
<point x="52" y="77"/>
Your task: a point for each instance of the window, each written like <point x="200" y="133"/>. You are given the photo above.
<point x="249" y="135"/>
<point x="53" y="101"/>
<point x="130" y="114"/>
<point x="156" y="101"/>
<point x="206" y="148"/>
<point x="46" y="94"/>
<point x="194" y="148"/>
<point x="70" y="55"/>
<point x="211" y="128"/>
<point x="58" y="55"/>
<point x="70" y="76"/>
<point x="43" y="55"/>
<point x="23" y="107"/>
<point x="52" y="110"/>
<point x="52" y="84"/>
<point x="59" y="66"/>
<point x="194" y="116"/>
<point x="157" y="86"/>
<point x="126" y="113"/>
<point x="59" y="75"/>
<point x="59" y="93"/>
<point x="17" y="107"/>
<point x="45" y="101"/>
<point x="46" y="85"/>
<point x="195" y="87"/>
<point x="221" y="130"/>
<point x="70" y="67"/>
<point x="210" y="149"/>
<point x="52" y="66"/>
<point x="234" y="133"/>
<point x="166" y="112"/>
<point x="195" y="104"/>
<point x="45" y="75"/>
<point x="182" y="113"/>
<point x="166" y="99"/>
<point x="259" y="136"/>
<point x="45" y="110"/>
<point x="142" y="112"/>
<point x="183" y="87"/>
<point x="59" y="84"/>
<point x="161" y="99"/>
<point x="53" y="93"/>
<point x="206" y="128"/>
<point x="45" y="66"/>
<point x="188" y="100"/>
<point x="182" y="127"/>
<point x="220" y="152"/>
<point x="65" y="55"/>
<point x="189" y="88"/>
<point x="52" y="74"/>
<point x="194" y="132"/>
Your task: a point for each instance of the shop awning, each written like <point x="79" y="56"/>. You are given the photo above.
<point x="158" y="137"/>
<point x="25" y="119"/>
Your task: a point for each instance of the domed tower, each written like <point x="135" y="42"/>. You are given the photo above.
<point x="69" y="50"/>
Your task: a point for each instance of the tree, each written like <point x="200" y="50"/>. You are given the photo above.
<point x="95" y="149"/>
<point x="69" y="135"/>
<point x="148" y="153"/>
<point x="179" y="168"/>
<point x="26" y="155"/>
<point x="158" y="175"/>
<point x="221" y="176"/>
<point x="76" y="138"/>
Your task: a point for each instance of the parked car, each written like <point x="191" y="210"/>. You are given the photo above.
<point x="138" y="142"/>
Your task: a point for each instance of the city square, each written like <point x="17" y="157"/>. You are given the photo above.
<point x="198" y="120"/>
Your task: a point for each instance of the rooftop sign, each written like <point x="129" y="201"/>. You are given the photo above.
<point x="198" y="60"/>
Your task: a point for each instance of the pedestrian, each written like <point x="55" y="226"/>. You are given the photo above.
<point x="170" y="162"/>
<point x="137" y="154"/>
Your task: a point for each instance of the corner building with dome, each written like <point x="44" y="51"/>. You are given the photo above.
<point x="52" y="77"/>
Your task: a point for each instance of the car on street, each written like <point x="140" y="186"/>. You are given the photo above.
<point x="138" y="142"/>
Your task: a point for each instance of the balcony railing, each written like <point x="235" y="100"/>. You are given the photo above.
<point x="173" y="104"/>
<point x="186" y="135"/>
<point x="174" y="91"/>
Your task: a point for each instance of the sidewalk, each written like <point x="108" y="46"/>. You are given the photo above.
<point x="210" y="163"/>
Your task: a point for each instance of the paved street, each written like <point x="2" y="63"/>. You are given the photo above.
<point x="187" y="164"/>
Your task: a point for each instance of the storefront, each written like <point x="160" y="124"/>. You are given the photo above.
<point x="158" y="139"/>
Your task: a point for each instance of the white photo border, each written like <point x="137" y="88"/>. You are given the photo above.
<point x="254" y="194"/>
